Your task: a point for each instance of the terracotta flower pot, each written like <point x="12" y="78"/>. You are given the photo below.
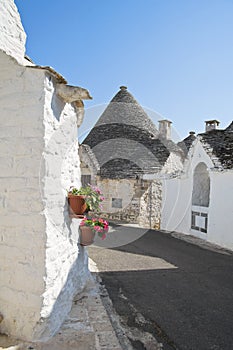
<point x="77" y="204"/>
<point x="86" y="235"/>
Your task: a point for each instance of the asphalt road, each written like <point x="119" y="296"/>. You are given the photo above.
<point x="179" y="292"/>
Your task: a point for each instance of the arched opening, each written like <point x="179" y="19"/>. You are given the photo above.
<point x="201" y="186"/>
<point x="200" y="198"/>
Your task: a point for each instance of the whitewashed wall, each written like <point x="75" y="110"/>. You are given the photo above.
<point x="177" y="193"/>
<point x="42" y="267"/>
<point x="22" y="250"/>
<point x="66" y="263"/>
<point x="220" y="229"/>
<point x="176" y="205"/>
<point x="12" y="34"/>
<point x="177" y="201"/>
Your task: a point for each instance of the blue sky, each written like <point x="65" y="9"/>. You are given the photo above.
<point x="175" y="56"/>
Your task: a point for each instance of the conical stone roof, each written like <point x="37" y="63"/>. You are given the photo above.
<point x="124" y="135"/>
<point x="123" y="110"/>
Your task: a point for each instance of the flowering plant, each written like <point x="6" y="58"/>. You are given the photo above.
<point x="97" y="225"/>
<point x="92" y="196"/>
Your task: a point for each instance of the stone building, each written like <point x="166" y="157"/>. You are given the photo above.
<point x="42" y="267"/>
<point x="122" y="154"/>
<point x="148" y="179"/>
<point x="199" y="200"/>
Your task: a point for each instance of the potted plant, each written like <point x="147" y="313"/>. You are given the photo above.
<point x="84" y="199"/>
<point x="89" y="227"/>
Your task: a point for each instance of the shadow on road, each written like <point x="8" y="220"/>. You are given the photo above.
<point x="183" y="292"/>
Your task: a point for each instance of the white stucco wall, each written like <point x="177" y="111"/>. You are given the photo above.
<point x="66" y="263"/>
<point x="177" y="193"/>
<point x="176" y="205"/>
<point x="220" y="227"/>
<point x="177" y="201"/>
<point x="12" y="34"/>
<point x="41" y="265"/>
<point x="173" y="164"/>
<point x="22" y="249"/>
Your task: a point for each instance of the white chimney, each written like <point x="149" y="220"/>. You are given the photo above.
<point x="211" y="125"/>
<point x="165" y="129"/>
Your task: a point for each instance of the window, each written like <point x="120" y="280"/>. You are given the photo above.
<point x="116" y="202"/>
<point x="199" y="221"/>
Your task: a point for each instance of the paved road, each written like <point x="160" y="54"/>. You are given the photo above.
<point x="179" y="292"/>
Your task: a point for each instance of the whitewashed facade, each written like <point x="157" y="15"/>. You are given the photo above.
<point x="42" y="266"/>
<point x="199" y="200"/>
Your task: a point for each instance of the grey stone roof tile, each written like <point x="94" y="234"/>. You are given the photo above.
<point x="217" y="143"/>
<point x="219" y="146"/>
<point x="186" y="144"/>
<point x="229" y="128"/>
<point x="124" y="135"/>
<point x="124" y="109"/>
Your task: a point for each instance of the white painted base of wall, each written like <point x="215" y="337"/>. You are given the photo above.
<point x="198" y="234"/>
<point x="77" y="279"/>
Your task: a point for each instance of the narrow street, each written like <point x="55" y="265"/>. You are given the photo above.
<point x="180" y="293"/>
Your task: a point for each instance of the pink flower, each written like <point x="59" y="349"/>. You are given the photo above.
<point x="96" y="189"/>
<point x="99" y="225"/>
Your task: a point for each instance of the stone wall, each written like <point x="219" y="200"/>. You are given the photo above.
<point x="132" y="200"/>
<point x="150" y="206"/>
<point x="42" y="267"/>
<point x="122" y="189"/>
